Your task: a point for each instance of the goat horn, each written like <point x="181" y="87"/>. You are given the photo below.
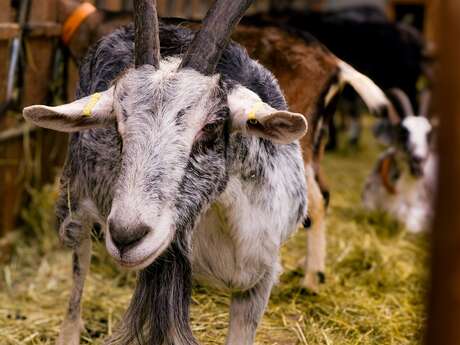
<point x="424" y="103"/>
<point x="404" y="102"/>
<point x="146" y="37"/>
<point x="208" y="44"/>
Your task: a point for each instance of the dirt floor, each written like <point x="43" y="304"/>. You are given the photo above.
<point x="376" y="279"/>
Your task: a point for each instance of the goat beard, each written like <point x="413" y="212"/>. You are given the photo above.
<point x="159" y="311"/>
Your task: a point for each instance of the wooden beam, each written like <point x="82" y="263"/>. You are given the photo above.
<point x="444" y="300"/>
<point x="8" y="31"/>
<point x="44" y="29"/>
<point x="432" y="20"/>
<point x="7" y="152"/>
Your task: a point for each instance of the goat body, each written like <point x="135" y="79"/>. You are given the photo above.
<point x="236" y="234"/>
<point x="311" y="78"/>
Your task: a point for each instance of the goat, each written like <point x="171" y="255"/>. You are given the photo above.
<point x="290" y="58"/>
<point x="402" y="182"/>
<point x="190" y="163"/>
<point x="364" y="37"/>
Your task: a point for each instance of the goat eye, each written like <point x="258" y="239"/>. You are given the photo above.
<point x="404" y="134"/>
<point x="211" y="127"/>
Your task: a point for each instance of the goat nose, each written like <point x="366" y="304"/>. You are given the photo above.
<point x="125" y="238"/>
<point x="417" y="159"/>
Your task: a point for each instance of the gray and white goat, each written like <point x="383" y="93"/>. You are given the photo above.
<point x="404" y="178"/>
<point x="190" y="164"/>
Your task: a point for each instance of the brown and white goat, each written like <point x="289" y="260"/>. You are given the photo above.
<point x="311" y="78"/>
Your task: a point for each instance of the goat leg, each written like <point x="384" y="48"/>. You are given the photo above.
<point x="315" y="261"/>
<point x="73" y="324"/>
<point x="246" y="311"/>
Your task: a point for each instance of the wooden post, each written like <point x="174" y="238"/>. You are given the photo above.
<point x="40" y="45"/>
<point x="9" y="163"/>
<point x="444" y="299"/>
<point x="432" y="20"/>
<point x="45" y="146"/>
<point x="8" y="30"/>
<point x="40" y="48"/>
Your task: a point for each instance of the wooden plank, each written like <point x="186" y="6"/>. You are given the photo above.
<point x="43" y="10"/>
<point x="39" y="53"/>
<point x="72" y="79"/>
<point x="180" y="8"/>
<point x="444" y="301"/>
<point x="110" y="5"/>
<point x="8" y="31"/>
<point x="10" y="190"/>
<point x="8" y="155"/>
<point x="7" y="14"/>
<point x="48" y="147"/>
<point x="6" y="19"/>
<point x="162" y="6"/>
<point x="432" y="20"/>
<point x="44" y="29"/>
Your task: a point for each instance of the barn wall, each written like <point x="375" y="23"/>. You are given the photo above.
<point x="27" y="159"/>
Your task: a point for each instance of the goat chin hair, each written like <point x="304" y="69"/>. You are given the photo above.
<point x="159" y="310"/>
<point x="374" y="98"/>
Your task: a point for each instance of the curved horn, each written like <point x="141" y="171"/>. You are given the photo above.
<point x="424" y="103"/>
<point x="146" y="37"/>
<point x="392" y="114"/>
<point x="403" y="101"/>
<point x="207" y="46"/>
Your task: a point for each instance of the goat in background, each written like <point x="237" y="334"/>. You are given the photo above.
<point x="403" y="180"/>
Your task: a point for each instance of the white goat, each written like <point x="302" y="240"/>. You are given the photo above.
<point x="403" y="180"/>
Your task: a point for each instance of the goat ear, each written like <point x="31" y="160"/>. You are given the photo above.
<point x="253" y="117"/>
<point x="93" y="111"/>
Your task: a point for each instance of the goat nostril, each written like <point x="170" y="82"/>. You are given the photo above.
<point x="417" y="159"/>
<point x="125" y="238"/>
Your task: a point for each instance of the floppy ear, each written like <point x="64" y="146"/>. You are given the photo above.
<point x="253" y="117"/>
<point x="88" y="112"/>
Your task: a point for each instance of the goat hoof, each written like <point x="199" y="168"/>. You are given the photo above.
<point x="307" y="223"/>
<point x="313" y="280"/>
<point x="321" y="277"/>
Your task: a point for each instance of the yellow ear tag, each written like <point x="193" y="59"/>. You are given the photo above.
<point x="252" y="113"/>
<point x="88" y="109"/>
